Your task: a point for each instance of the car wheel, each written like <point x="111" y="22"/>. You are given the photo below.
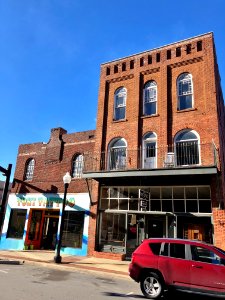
<point x="151" y="285"/>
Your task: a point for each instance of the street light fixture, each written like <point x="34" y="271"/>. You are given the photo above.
<point x="66" y="180"/>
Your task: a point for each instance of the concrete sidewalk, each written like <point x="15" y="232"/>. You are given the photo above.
<point x="68" y="261"/>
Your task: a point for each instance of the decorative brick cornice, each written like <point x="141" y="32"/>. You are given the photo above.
<point x="130" y="76"/>
<point x="151" y="71"/>
<point x="186" y="62"/>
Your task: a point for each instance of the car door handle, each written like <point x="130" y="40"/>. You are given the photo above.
<point x="196" y="266"/>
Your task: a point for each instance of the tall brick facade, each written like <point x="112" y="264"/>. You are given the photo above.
<point x="205" y="118"/>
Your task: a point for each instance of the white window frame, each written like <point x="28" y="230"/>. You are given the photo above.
<point x="29" y="171"/>
<point x="149" y="87"/>
<point x="77" y="165"/>
<point x="121" y="165"/>
<point x="120" y="93"/>
<point x="185" y="78"/>
<point x="149" y="139"/>
<point x="176" y="141"/>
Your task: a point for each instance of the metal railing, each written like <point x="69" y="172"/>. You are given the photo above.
<point x="181" y="155"/>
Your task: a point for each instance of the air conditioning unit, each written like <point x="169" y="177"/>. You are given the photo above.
<point x="169" y="159"/>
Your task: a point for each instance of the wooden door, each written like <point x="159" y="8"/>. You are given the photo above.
<point x="196" y="232"/>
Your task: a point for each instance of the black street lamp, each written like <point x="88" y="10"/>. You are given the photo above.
<point x="66" y="180"/>
<point x="7" y="173"/>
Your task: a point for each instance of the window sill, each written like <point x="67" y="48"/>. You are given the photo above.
<point x="150" y="116"/>
<point x="118" y="121"/>
<point x="186" y="110"/>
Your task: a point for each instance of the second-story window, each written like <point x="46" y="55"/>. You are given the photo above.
<point x="117" y="154"/>
<point x="29" y="169"/>
<point x="150" y="98"/>
<point x="187" y="148"/>
<point x="77" y="166"/>
<point x="185" y="91"/>
<point x="120" y="104"/>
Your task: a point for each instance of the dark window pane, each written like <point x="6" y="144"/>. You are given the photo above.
<point x="16" y="223"/>
<point x="113" y="203"/>
<point x="155" y="247"/>
<point x="204" y="192"/>
<point x="133" y="204"/>
<point x="165" y="250"/>
<point x="73" y="229"/>
<point x="177" y="250"/>
<point x="167" y="205"/>
<point x="150" y="108"/>
<point x="191" y="206"/>
<point x="179" y="206"/>
<point x="155" y="193"/>
<point x="205" y="206"/>
<point x="155" y="205"/>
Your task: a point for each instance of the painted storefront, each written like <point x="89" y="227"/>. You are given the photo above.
<point x="32" y="221"/>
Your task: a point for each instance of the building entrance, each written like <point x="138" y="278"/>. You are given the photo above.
<point x="42" y="228"/>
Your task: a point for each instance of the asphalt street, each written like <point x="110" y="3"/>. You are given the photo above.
<point x="38" y="282"/>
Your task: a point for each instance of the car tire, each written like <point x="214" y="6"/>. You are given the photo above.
<point x="151" y="285"/>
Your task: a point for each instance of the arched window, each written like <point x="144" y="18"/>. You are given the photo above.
<point x="149" y="150"/>
<point x="29" y="170"/>
<point x="77" y="166"/>
<point x="187" y="148"/>
<point x="185" y="91"/>
<point x="117" y="154"/>
<point x="150" y="98"/>
<point x="120" y="104"/>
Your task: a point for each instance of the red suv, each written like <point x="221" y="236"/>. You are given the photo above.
<point x="185" y="265"/>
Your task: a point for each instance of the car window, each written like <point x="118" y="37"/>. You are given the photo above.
<point x="164" y="249"/>
<point x="177" y="250"/>
<point x="205" y="255"/>
<point x="155" y="247"/>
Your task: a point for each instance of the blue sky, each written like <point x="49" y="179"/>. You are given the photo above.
<point x="51" y="51"/>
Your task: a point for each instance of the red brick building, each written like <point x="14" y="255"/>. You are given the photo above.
<point x="158" y="163"/>
<point x="35" y="202"/>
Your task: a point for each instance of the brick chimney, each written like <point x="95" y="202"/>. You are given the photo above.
<point x="54" y="148"/>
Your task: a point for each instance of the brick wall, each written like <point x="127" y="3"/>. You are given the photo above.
<point x="52" y="161"/>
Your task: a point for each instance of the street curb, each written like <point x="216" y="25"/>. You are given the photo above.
<point x="11" y="262"/>
<point x="66" y="264"/>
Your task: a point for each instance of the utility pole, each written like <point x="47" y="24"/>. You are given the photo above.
<point x="7" y="174"/>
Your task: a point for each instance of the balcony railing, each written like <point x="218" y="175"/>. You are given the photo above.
<point x="182" y="155"/>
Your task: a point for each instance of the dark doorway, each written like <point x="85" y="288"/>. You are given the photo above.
<point x="50" y="228"/>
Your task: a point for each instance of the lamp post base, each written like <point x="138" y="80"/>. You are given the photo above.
<point x="58" y="259"/>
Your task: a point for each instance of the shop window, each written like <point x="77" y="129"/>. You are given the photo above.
<point x="112" y="232"/>
<point x="73" y="229"/>
<point x="16" y="223"/>
<point x="29" y="169"/>
<point x="77" y="166"/>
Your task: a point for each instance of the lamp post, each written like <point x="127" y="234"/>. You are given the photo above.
<point x="7" y="173"/>
<point x="66" y="180"/>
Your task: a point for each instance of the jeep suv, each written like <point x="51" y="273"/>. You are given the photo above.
<point x="185" y="265"/>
